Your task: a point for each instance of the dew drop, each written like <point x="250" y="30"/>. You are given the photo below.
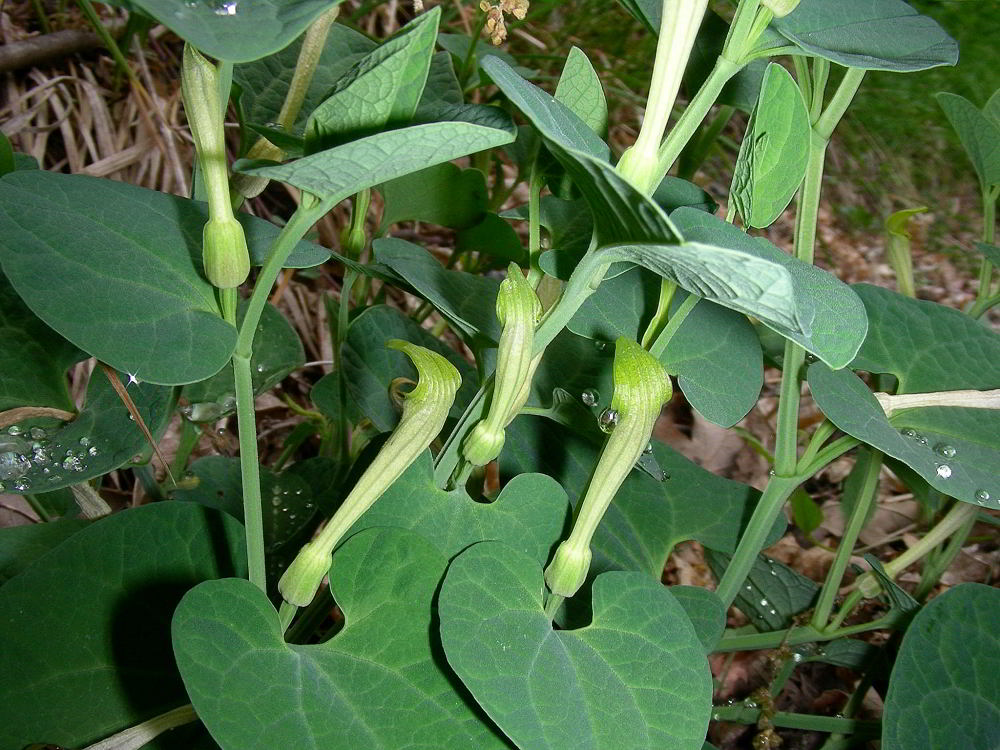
<point x="46" y="470"/>
<point x="15" y="430"/>
<point x="749" y="587"/>
<point x="771" y="472"/>
<point x="982" y="497"/>
<point x="227" y="8"/>
<point x="92" y="450"/>
<point x="600" y="345"/>
<point x="2" y="487"/>
<point x="298" y="492"/>
<point x="945" y="450"/>
<point x="773" y="611"/>
<point x="920" y="439"/>
<point x="72" y="463"/>
<point x="260" y="368"/>
<point x="40" y="456"/>
<point x="797" y="657"/>
<point x="55" y="478"/>
<point x="21" y="484"/>
<point x="648" y="449"/>
<point x="608" y="420"/>
<point x="590" y="397"/>
<point x="908" y="433"/>
<point x="943" y="471"/>
<point x="764" y="602"/>
<point x="13" y="464"/>
<point x="85" y="441"/>
<point x="37" y="433"/>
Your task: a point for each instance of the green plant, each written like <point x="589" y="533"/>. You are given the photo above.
<point x="535" y="618"/>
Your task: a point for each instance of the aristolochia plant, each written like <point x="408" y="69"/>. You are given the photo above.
<point x="495" y="563"/>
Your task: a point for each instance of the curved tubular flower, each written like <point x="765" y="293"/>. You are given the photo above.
<point x="424" y="412"/>
<point x="224" y="246"/>
<point x="518" y="310"/>
<point x="641" y="388"/>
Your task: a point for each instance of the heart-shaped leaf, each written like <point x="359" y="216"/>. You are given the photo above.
<point x="773" y="155"/>
<point x="979" y="133"/>
<point x="580" y="89"/>
<point x="383" y="88"/>
<point x="277" y="351"/>
<point x="636" y="677"/>
<point x="466" y="299"/>
<point x="370" y="367"/>
<point x="236" y="30"/>
<point x="956" y="450"/>
<point x="529" y="514"/>
<point x="338" y="172"/>
<point x="870" y="34"/>
<point x="831" y="319"/>
<point x="131" y="293"/>
<point x="33" y="357"/>
<point x="945" y="686"/>
<point x="262" y="83"/>
<point x="100" y="605"/>
<point x="101" y="438"/>
<point x="379" y="683"/>
<point x="648" y="517"/>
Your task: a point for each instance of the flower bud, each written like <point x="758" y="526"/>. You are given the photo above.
<point x="483" y="444"/>
<point x="225" y="253"/>
<point x="780" y="8"/>
<point x="303" y="577"/>
<point x="568" y="570"/>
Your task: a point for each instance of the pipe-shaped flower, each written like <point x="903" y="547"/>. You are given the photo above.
<point x="780" y="8"/>
<point x="518" y="310"/>
<point x="641" y="387"/>
<point x="425" y="409"/>
<point x="224" y="246"/>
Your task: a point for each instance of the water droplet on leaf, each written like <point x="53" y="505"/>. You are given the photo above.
<point x="85" y="441"/>
<point x="608" y="420"/>
<point x="982" y="497"/>
<point x="227" y="8"/>
<point x="945" y="450"/>
<point x="21" y="485"/>
<point x="37" y="433"/>
<point x="590" y="397"/>
<point x="14" y="430"/>
<point x="92" y="450"/>
<point x="943" y="471"/>
<point x="72" y="463"/>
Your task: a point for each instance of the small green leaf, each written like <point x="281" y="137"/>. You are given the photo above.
<point x="341" y="171"/>
<point x="580" y="90"/>
<point x="635" y="677"/>
<point x="382" y="89"/>
<point x="992" y="108"/>
<point x="979" y="133"/>
<point x="237" y="30"/>
<point x="100" y="605"/>
<point x="277" y="351"/>
<point x="229" y="644"/>
<point x="945" y="686"/>
<point x="100" y="439"/>
<point x="33" y="357"/>
<point x="370" y="367"/>
<point x="772" y="594"/>
<point x="773" y="155"/>
<point x="805" y="511"/>
<point x="443" y="194"/>
<point x="869" y="34"/>
<point x="956" y="450"/>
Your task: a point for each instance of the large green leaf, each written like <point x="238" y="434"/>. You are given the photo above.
<point x="979" y="133"/>
<point x="829" y="319"/>
<point x="263" y="83"/>
<point x="580" y="90"/>
<point x="47" y="455"/>
<point x="33" y="357"/>
<point x="277" y="351"/>
<point x="443" y="194"/>
<point x="648" y="517"/>
<point x="370" y="367"/>
<point x="635" y="677"/>
<point x="85" y="628"/>
<point x="870" y="34"/>
<point x="383" y="88"/>
<point x="236" y="30"/>
<point x="715" y="352"/>
<point x="927" y="346"/>
<point x="125" y="289"/>
<point x="956" y="450"/>
<point x="466" y="299"/>
<point x="945" y="687"/>
<point x="774" y="152"/>
<point x="530" y="513"/>
<point x="341" y="171"/>
<point x="380" y="683"/>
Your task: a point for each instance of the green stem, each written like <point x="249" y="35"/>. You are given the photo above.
<point x="737" y="37"/>
<point x="190" y="433"/>
<point x="871" y="462"/>
<point x="752" y="542"/>
<point x="36" y="506"/>
<point x="662" y="315"/>
<point x="989" y="237"/>
<point x="795" y="636"/>
<point x="693" y="157"/>
<point x="827" y="455"/>
<point x="745" y="715"/>
<point x="313" y="43"/>
<point x="786" y="437"/>
<point x="933" y="570"/>
<point x="534" y="225"/>
<point x="253" y="520"/>
<point x="662" y="340"/>
<point x="695" y="112"/>
<point x="819" y="436"/>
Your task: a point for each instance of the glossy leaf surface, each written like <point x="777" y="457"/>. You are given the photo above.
<point x="869" y="34"/>
<point x="104" y="632"/>
<point x="945" y="687"/>
<point x="379" y="683"/>
<point x="636" y="677"/>
<point x="236" y="30"/>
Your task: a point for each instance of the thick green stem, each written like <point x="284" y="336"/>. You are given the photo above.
<point x="253" y="520"/>
<point x="871" y="463"/>
<point x="662" y="340"/>
<point x="752" y="542"/>
<point x="989" y="237"/>
<point x="795" y="636"/>
<point x="934" y="569"/>
<point x="747" y="715"/>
